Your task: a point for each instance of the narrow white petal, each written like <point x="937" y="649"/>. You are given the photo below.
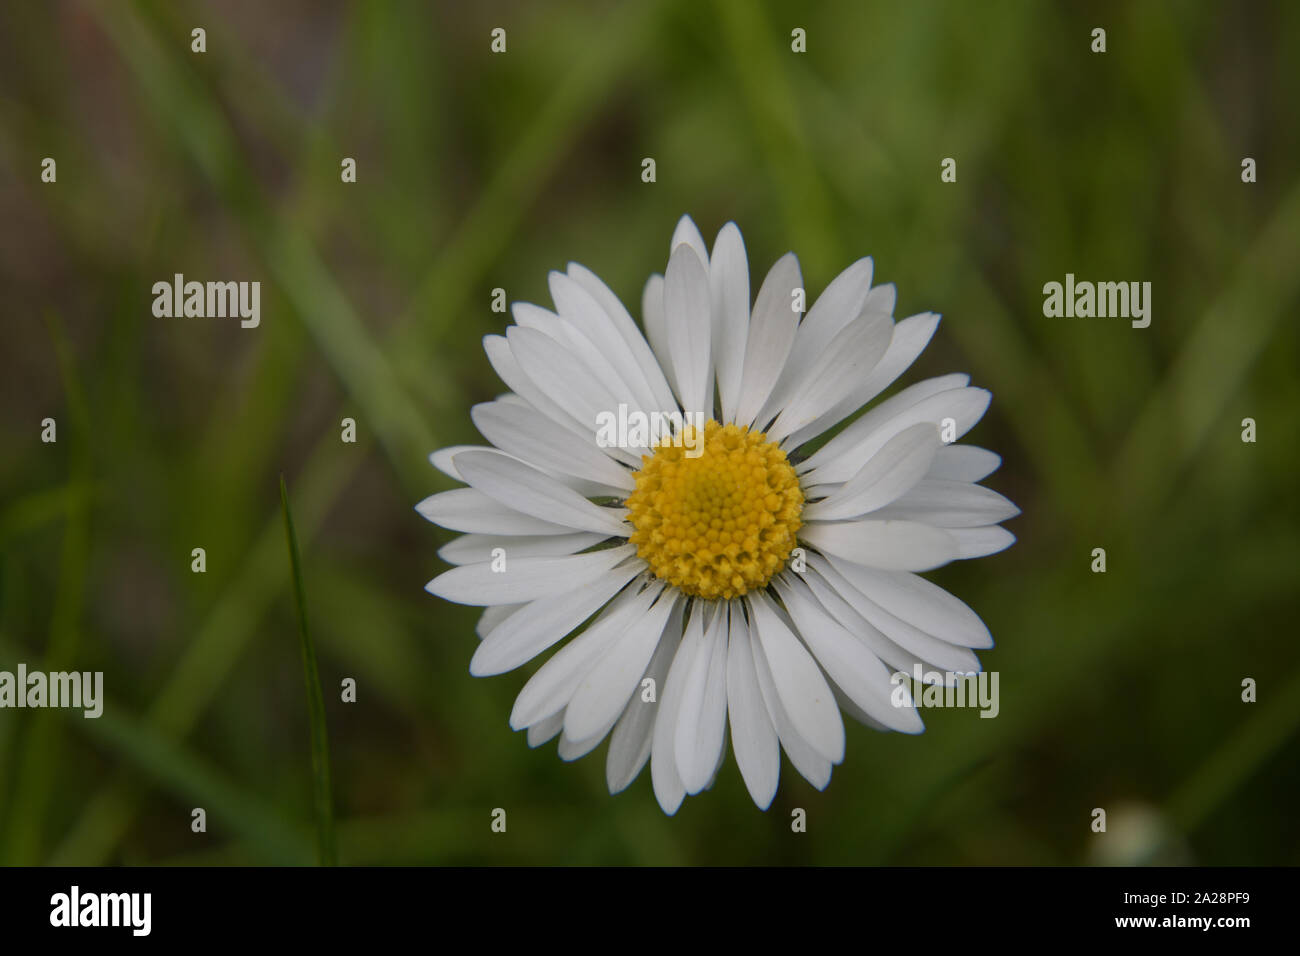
<point x="530" y="491"/>
<point x="688" y="233"/>
<point x="964" y="463"/>
<point x="882" y="299"/>
<point x="686" y="307"/>
<point x="729" y="286"/>
<point x="441" y="459"/>
<point x="564" y="379"/>
<point x="925" y="647"/>
<point x="891" y="545"/>
<point x="503" y="360"/>
<point x="702" y="717"/>
<point x="606" y="687"/>
<point x="910" y="337"/>
<point x="466" y="509"/>
<point x="847" y="359"/>
<point x="771" y="336"/>
<point x="656" y="327"/>
<point x="668" y="787"/>
<point x="889" y="473"/>
<point x="811" y="765"/>
<point x="476" y="548"/>
<point x="524" y="635"/>
<point x="924" y="605"/>
<point x="552" y="687"/>
<point x="950" y="504"/>
<point x="629" y="746"/>
<point x="846" y="660"/>
<point x="836" y="307"/>
<point x="492" y="616"/>
<point x="582" y="348"/>
<point x="981" y="542"/>
<point x="830" y="590"/>
<point x="880" y="414"/>
<point x="571" y="749"/>
<point x="753" y="737"/>
<point x="964" y="406"/>
<point x="524" y="579"/>
<point x="807" y="699"/>
<point x="641" y="350"/>
<point x="527" y="434"/>
<point x="544" y="730"/>
<point x="577" y="305"/>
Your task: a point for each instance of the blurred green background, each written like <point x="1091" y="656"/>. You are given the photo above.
<point x="476" y="170"/>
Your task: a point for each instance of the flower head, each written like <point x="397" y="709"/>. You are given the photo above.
<point x="644" y="497"/>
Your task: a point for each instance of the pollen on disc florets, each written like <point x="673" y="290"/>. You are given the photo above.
<point x="721" y="523"/>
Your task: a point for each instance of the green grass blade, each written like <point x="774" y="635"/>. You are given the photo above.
<point x="327" y="848"/>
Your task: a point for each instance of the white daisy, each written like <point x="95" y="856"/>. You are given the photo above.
<point x="724" y="580"/>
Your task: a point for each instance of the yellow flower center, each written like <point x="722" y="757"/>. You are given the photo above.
<point x="719" y="524"/>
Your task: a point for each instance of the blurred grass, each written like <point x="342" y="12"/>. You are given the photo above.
<point x="322" y="795"/>
<point x="478" y="171"/>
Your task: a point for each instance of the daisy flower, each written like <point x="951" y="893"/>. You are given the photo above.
<point x="725" y="580"/>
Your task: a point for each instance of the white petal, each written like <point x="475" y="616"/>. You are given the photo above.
<point x="880" y="414"/>
<point x="702" y="717"/>
<point x="656" y="326"/>
<point x="663" y="759"/>
<point x="910" y="337"/>
<point x="492" y="616"/>
<point x="577" y="305"/>
<point x="849" y="357"/>
<point x="924" y="605"/>
<point x="503" y="360"/>
<point x="527" y="434"/>
<point x="890" y="472"/>
<point x="686" y="308"/>
<point x="729" y="286"/>
<point x="811" y="765"/>
<point x="836" y="307"/>
<point x="924" y="647"/>
<point x="476" y="548"/>
<point x="525" y="579"/>
<point x="891" y="545"/>
<point x="771" y="335"/>
<point x="846" y="660"/>
<point x="829" y="589"/>
<point x="564" y="379"/>
<point x="534" y="493"/>
<point x="544" y="730"/>
<point x="524" y="635"/>
<point x="950" y="504"/>
<point x="606" y="687"/>
<point x="981" y="542"/>
<point x="688" y="233"/>
<point x="465" y="509"/>
<point x="552" y="687"/>
<point x="582" y="348"/>
<point x="753" y="737"/>
<point x="629" y="746"/>
<point x="806" y="698"/>
<point x="571" y="749"/>
<point x="881" y="299"/>
<point x="623" y="321"/>
<point x="441" y="459"/>
<point x="841" y="457"/>
<point x="964" y="463"/>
